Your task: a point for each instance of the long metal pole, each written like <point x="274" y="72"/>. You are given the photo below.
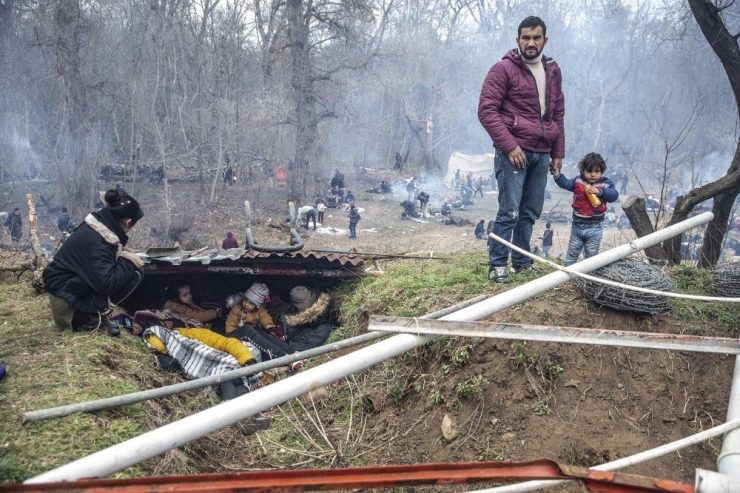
<point x="158" y="441"/>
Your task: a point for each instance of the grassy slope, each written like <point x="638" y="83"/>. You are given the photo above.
<point x="47" y="368"/>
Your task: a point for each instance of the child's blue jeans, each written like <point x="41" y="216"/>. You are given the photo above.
<point x="584" y="237"/>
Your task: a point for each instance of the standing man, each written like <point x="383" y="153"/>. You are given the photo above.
<point x="338" y="182"/>
<point x="15" y="225"/>
<point x="522" y="108"/>
<point x="65" y="223"/>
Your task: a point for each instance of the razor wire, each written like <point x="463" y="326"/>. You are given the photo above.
<point x="573" y="273"/>
<point x="630" y="272"/>
<point x="726" y="280"/>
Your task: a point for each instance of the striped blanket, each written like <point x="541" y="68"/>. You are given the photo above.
<point x="198" y="360"/>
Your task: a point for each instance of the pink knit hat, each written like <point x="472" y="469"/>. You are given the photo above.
<point x="258" y="294"/>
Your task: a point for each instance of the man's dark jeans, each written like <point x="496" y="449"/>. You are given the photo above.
<point x="521" y="195"/>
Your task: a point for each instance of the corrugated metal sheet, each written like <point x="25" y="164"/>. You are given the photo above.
<point x="240" y="256"/>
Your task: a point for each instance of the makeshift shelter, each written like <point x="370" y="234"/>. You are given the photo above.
<point x="479" y="165"/>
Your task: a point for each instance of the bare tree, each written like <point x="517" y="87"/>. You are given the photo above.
<point x="709" y="17"/>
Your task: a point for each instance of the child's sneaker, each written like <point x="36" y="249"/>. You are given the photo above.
<point x="530" y="267"/>
<point x="297" y="365"/>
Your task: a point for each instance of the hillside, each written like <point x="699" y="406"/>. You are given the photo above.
<point x="576" y="404"/>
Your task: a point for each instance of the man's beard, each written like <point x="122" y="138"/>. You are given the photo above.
<point x="527" y="57"/>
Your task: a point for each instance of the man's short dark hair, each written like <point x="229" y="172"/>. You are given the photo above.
<point x="592" y="161"/>
<point x="532" y="22"/>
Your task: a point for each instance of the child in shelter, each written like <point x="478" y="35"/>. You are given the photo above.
<point x="181" y="302"/>
<point x="591" y="193"/>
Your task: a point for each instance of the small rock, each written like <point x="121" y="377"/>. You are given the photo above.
<point x="571" y="383"/>
<point x="316" y="395"/>
<point x="507" y="437"/>
<point x="669" y="420"/>
<point x="620" y="386"/>
<point x="494" y="421"/>
<point x="449" y="430"/>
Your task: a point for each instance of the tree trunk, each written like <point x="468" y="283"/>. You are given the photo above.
<point x="39" y="261"/>
<point x="634" y="208"/>
<point x="74" y="164"/>
<point x="304" y="99"/>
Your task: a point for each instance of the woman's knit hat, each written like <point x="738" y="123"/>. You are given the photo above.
<point x="258" y="294"/>
<point x="302" y="297"/>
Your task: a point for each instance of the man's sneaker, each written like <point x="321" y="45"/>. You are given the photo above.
<point x="498" y="274"/>
<point x="529" y="268"/>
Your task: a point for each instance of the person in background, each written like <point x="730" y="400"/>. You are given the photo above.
<point x="180" y="301"/>
<point x="547" y="240"/>
<point x="399" y="162"/>
<point x="349" y="198"/>
<point x="354" y="218"/>
<point x="458" y="181"/>
<point x="478" y="185"/>
<point x="320" y="205"/>
<point x="338" y="182"/>
<point x="229" y="241"/>
<point x="411" y="188"/>
<point x="307" y="213"/>
<point x="65" y="223"/>
<point x="591" y="193"/>
<point x="93" y="268"/>
<point x="15" y="225"/>
<point x="522" y="108"/>
<point x="625" y="181"/>
<point x="480" y="230"/>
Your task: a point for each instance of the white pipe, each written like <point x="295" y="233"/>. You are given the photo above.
<point x="728" y="461"/>
<point x="714" y="482"/>
<point x="160" y="440"/>
<point x="645" y="456"/>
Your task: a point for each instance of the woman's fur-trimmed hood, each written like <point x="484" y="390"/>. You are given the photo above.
<point x="312" y="313"/>
<point x="111" y="238"/>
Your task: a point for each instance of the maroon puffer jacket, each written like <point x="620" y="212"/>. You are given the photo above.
<point x="509" y="107"/>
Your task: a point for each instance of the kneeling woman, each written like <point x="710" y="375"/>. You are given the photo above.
<point x="93" y="269"/>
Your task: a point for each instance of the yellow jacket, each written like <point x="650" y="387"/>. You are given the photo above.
<point x="188" y="311"/>
<point x="238" y="317"/>
<point x="226" y="344"/>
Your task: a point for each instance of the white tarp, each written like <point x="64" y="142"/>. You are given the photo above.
<point x="480" y="165"/>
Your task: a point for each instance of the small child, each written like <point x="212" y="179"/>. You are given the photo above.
<point x="591" y="192"/>
<point x="547" y="240"/>
<point x="354" y="218"/>
<point x="480" y="230"/>
<point x="181" y="302"/>
<point x="250" y="310"/>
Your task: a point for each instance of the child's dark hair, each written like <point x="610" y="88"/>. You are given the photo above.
<point x="592" y="161"/>
<point x="173" y="291"/>
<point x="123" y="206"/>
